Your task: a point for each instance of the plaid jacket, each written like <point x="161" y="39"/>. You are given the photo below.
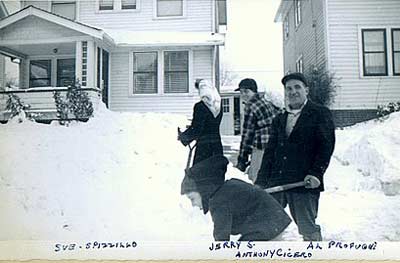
<point x="258" y="115"/>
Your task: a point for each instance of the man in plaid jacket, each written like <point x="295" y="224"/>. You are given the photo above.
<point x="258" y="115"/>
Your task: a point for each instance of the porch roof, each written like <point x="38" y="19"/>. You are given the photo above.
<point x="164" y="38"/>
<point x="54" y="18"/>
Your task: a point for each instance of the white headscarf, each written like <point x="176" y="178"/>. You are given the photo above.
<point x="210" y="96"/>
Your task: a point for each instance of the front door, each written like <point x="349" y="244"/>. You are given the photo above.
<point x="227" y="117"/>
<point x="105" y="71"/>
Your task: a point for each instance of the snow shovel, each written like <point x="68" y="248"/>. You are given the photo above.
<point x="191" y="148"/>
<point x="284" y="187"/>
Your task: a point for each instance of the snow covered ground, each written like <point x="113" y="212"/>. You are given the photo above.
<point x="118" y="177"/>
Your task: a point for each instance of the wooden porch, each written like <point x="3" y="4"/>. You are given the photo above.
<point x="41" y="101"/>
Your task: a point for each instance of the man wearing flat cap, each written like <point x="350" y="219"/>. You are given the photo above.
<point x="300" y="147"/>
<point x="258" y="115"/>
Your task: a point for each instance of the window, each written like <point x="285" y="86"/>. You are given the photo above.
<point x="168" y="8"/>
<point x="106" y="5"/>
<point x="65" y="72"/>
<point x="64" y="8"/>
<point x="299" y="65"/>
<point x="286" y="28"/>
<point x="225" y="105"/>
<point x="145" y="73"/>
<point x="221" y="7"/>
<point x="297" y="12"/>
<point x="128" y="4"/>
<point x="176" y="71"/>
<point x="40" y="73"/>
<point x="374" y="52"/>
<point x="396" y="51"/>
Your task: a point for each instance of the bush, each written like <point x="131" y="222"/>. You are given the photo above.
<point x="323" y="85"/>
<point x="384" y="110"/>
<point x="18" y="108"/>
<point x="77" y="103"/>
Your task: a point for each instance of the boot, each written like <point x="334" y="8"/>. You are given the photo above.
<point x="316" y="236"/>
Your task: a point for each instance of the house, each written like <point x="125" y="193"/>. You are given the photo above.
<point x="3" y="13"/>
<point x="357" y="40"/>
<point x="134" y="55"/>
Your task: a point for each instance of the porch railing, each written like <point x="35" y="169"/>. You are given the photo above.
<point x="41" y="100"/>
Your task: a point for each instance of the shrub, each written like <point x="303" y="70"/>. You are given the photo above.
<point x="17" y="108"/>
<point x="384" y="110"/>
<point x="76" y="103"/>
<point x="323" y="85"/>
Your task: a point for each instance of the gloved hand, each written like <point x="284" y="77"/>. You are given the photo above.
<point x="182" y="140"/>
<point x="311" y="182"/>
<point x="242" y="164"/>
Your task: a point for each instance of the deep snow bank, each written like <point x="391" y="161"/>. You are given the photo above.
<point x="374" y="148"/>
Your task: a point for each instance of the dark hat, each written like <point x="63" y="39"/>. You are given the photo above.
<point x="295" y="75"/>
<point x="248" y="83"/>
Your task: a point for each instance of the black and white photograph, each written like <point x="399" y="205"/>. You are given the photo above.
<point x="199" y="129"/>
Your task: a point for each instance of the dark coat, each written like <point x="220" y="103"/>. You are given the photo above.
<point x="307" y="150"/>
<point x="236" y="207"/>
<point x="205" y="130"/>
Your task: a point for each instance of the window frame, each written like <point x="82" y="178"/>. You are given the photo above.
<point x="394" y="51"/>
<point x="132" y="73"/>
<point x="297" y="13"/>
<point x="225" y="105"/>
<point x="58" y="73"/>
<point x="219" y="14"/>
<point x="65" y="2"/>
<point x="117" y="7"/>
<point x="286" y="28"/>
<point x="155" y="11"/>
<point x="49" y="73"/>
<point x="300" y="64"/>
<point x="160" y="73"/>
<point x="385" y="52"/>
<point x="129" y="9"/>
<point x="164" y="71"/>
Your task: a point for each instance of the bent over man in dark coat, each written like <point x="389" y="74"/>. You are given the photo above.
<point x="300" y="146"/>
<point x="236" y="207"/>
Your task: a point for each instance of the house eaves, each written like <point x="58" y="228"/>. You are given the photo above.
<point x="282" y="10"/>
<point x="125" y="38"/>
<point x="57" y="19"/>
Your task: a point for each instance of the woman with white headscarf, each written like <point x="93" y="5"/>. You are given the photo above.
<point x="205" y="124"/>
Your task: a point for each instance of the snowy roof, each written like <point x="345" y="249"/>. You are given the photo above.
<point x="164" y="38"/>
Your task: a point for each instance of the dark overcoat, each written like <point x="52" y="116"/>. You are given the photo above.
<point x="236" y="207"/>
<point x="205" y="130"/>
<point x="307" y="150"/>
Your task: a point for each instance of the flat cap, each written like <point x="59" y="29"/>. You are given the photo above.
<point x="295" y="75"/>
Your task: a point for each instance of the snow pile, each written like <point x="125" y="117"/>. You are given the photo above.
<point x="376" y="153"/>
<point x="118" y="177"/>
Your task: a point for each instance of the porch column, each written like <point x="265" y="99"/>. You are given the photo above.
<point x="78" y="61"/>
<point x="24" y="73"/>
<point x="91" y="64"/>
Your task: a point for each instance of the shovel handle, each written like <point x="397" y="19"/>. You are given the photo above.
<point x="284" y="187"/>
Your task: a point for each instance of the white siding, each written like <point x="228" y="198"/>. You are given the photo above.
<point x="39" y="4"/>
<point x="306" y="40"/>
<point x="35" y="28"/>
<point x="122" y="100"/>
<point x="346" y="18"/>
<point x="198" y="17"/>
